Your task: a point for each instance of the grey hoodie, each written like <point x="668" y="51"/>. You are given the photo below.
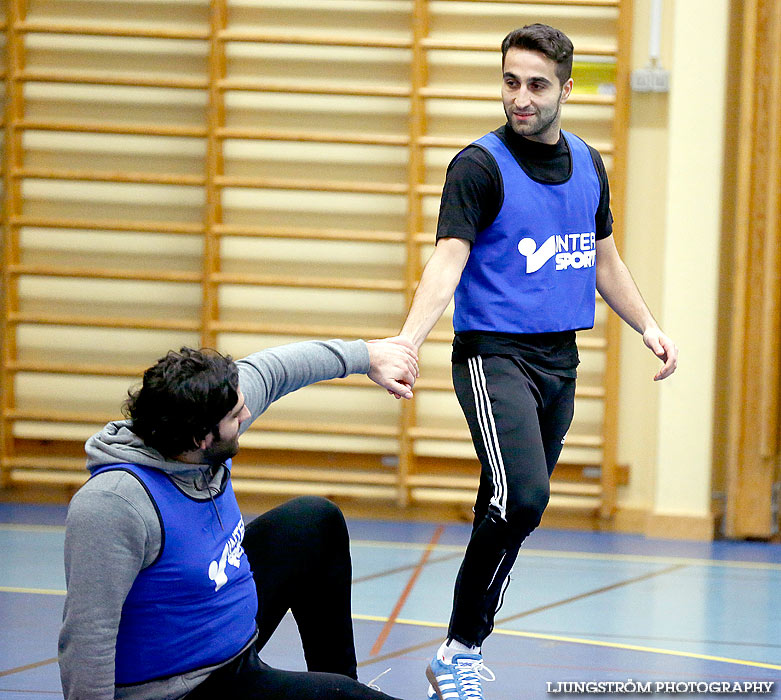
<point x="113" y="531"/>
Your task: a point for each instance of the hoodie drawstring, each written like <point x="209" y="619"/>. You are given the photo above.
<point x="207" y="486"/>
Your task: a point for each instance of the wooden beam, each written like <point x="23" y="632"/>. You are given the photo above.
<point x="12" y="207"/>
<point x="751" y="453"/>
<point x="415" y="175"/>
<point x="621" y="113"/>
<point x="215" y="168"/>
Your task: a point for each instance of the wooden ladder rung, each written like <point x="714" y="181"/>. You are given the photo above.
<point x="297" y="281"/>
<point x="570" y="488"/>
<point x="311" y="185"/>
<point x="467" y="496"/>
<point x="324" y="428"/>
<point x="591" y="343"/>
<point x="327" y="476"/>
<point x="261" y="37"/>
<point x="117" y="79"/>
<point x="462" y="435"/>
<point x="429" y="190"/>
<point x="312" y="137"/>
<point x="446" y="141"/>
<point x="310" y="233"/>
<point x="298" y="488"/>
<point x="167" y="227"/>
<point x="106" y="273"/>
<point x="453" y="481"/>
<point x="49" y="416"/>
<point x="44" y="476"/>
<point x="71" y="368"/>
<point x="113" y="128"/>
<point x="307" y="330"/>
<point x="18" y="317"/>
<point x="54" y="463"/>
<point x="588" y="504"/>
<point x="565" y="3"/>
<point x="116" y="176"/>
<point x="110" y="30"/>
<point x="250" y="85"/>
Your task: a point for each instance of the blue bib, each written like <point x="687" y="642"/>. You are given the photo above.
<point x="195" y="605"/>
<point x="533" y="270"/>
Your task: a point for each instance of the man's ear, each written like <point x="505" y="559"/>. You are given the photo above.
<point x="566" y="91"/>
<point x="206" y="442"/>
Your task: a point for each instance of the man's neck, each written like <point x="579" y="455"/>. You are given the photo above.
<point x="191" y="457"/>
<point x="533" y="146"/>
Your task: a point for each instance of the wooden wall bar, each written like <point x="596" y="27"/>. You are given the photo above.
<point x="243" y="175"/>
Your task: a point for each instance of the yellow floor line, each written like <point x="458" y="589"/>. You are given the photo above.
<point x="37" y="591"/>
<point x="553" y="554"/>
<point x="578" y="640"/>
<point x="635" y="647"/>
<point x="13" y="527"/>
<point x="528" y="552"/>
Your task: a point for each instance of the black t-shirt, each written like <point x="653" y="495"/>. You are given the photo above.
<point x="471" y="199"/>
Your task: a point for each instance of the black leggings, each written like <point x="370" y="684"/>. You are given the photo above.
<point x="300" y="558"/>
<point x="518" y="416"/>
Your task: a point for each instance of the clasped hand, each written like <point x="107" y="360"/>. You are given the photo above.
<point x="393" y="364"/>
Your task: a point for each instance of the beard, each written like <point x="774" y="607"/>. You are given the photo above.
<point x="538" y="124"/>
<point x="221" y="450"/>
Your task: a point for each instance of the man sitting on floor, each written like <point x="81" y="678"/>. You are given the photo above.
<point x="168" y="595"/>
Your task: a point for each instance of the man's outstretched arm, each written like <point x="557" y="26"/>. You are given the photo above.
<point x="437" y="286"/>
<point x="270" y="374"/>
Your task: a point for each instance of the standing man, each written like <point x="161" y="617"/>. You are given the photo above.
<point x="168" y="595"/>
<point x="523" y="240"/>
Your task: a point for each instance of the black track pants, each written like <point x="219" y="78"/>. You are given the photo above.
<point x="518" y="416"/>
<point x="300" y="558"/>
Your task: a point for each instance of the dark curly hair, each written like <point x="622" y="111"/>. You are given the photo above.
<point x="182" y="398"/>
<point x="549" y="41"/>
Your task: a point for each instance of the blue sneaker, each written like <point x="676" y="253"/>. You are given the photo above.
<point x="458" y="680"/>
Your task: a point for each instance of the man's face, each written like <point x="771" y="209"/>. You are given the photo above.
<point x="225" y="443"/>
<point x="532" y="95"/>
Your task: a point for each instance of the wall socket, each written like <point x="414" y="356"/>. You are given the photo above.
<point x="651" y="80"/>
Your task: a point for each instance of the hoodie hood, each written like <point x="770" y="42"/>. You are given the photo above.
<point x="118" y="444"/>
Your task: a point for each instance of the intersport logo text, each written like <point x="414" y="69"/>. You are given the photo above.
<point x="571" y="250"/>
